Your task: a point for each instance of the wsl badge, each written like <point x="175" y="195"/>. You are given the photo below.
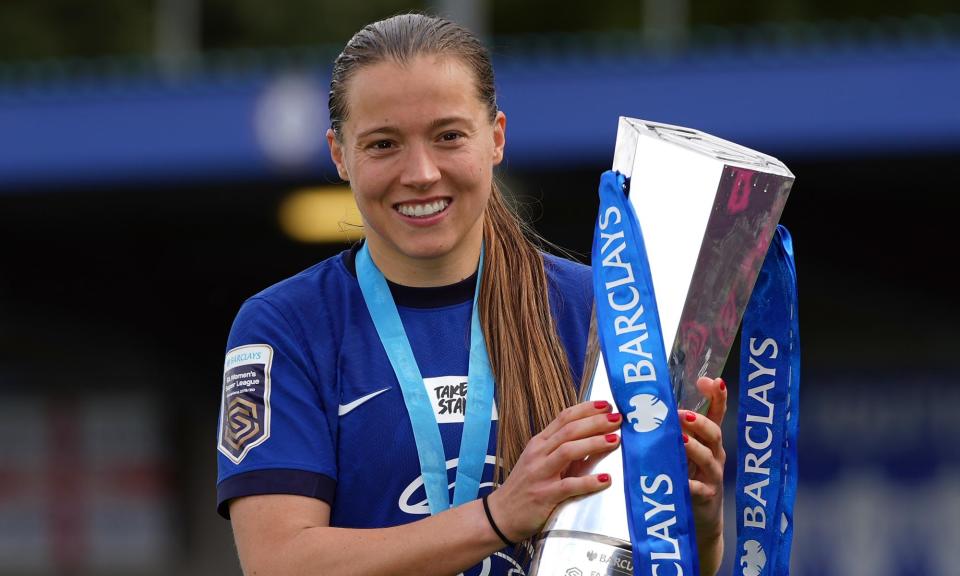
<point x="245" y="404"/>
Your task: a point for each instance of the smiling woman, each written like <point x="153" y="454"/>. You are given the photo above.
<point x="418" y="151"/>
<point x="432" y="364"/>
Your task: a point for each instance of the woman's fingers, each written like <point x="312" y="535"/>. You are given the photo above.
<point x="546" y="473"/>
<point x="574" y="451"/>
<point x="703" y="441"/>
<point x="715" y="390"/>
<point x="588" y="464"/>
<point x="520" y="518"/>
<point x="708" y="465"/>
<point x="590" y="425"/>
<point x="570" y="415"/>
<point x="702" y="492"/>
<point x="703" y="429"/>
<point x="595" y="431"/>
<point x="579" y="485"/>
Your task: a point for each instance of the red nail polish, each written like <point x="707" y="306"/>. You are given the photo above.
<point x="613" y="417"/>
<point x="604" y="478"/>
<point x="691" y="416"/>
<point x="600" y="404"/>
<point x="686" y="438"/>
<point x="723" y="385"/>
<point x="611" y="438"/>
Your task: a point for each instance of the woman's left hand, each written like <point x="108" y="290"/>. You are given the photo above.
<point x="704" y="444"/>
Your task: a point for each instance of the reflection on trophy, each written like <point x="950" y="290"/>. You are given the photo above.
<point x="708" y="209"/>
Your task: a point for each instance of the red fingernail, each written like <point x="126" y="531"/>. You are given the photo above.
<point x="603" y="478"/>
<point x="611" y="438"/>
<point x="600" y="404"/>
<point x="691" y="416"/>
<point x="613" y="417"/>
<point x="686" y="438"/>
<point x="723" y="385"/>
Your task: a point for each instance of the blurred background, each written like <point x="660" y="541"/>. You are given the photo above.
<point x="162" y="160"/>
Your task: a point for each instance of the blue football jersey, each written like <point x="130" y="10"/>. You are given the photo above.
<point x="311" y="405"/>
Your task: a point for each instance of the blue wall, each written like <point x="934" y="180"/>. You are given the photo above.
<point x="816" y="101"/>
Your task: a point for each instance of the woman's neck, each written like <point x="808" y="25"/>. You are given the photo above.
<point x="450" y="268"/>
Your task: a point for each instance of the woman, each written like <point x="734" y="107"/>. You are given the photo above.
<point x="326" y="463"/>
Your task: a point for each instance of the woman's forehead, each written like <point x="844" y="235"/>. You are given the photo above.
<point x="421" y="91"/>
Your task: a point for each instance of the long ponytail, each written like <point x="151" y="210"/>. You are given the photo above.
<point x="533" y="378"/>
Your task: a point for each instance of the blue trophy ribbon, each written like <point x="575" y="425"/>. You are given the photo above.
<point x="654" y="459"/>
<point x="767" y="421"/>
<point x="426" y="431"/>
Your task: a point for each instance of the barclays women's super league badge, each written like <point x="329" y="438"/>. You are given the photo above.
<point x="245" y="401"/>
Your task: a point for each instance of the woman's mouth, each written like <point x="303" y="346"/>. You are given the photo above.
<point x="422" y="209"/>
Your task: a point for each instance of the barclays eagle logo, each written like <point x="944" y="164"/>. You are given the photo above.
<point x="648" y="414"/>
<point x="753" y="559"/>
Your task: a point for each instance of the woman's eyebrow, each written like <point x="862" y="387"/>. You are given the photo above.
<point x="448" y="120"/>
<point x="388" y="130"/>
<point x="437" y="124"/>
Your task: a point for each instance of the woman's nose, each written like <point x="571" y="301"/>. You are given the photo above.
<point x="420" y="170"/>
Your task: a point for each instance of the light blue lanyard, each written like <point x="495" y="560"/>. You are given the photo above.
<point x="426" y="431"/>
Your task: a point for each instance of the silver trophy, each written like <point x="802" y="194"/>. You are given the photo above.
<point x="708" y="209"/>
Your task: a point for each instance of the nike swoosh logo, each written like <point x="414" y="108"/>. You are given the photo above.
<point x="347" y="408"/>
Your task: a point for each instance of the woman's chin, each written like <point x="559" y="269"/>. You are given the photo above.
<point x="432" y="251"/>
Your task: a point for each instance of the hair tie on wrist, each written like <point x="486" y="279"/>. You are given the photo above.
<point x="486" y="508"/>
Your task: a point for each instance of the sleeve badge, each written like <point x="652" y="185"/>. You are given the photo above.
<point x="245" y="403"/>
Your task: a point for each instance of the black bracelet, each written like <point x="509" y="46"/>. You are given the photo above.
<point x="486" y="508"/>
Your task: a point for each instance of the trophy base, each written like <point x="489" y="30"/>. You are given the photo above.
<point x="573" y="553"/>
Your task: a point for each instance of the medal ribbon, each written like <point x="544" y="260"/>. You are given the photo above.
<point x="654" y="459"/>
<point x="426" y="431"/>
<point x="768" y="415"/>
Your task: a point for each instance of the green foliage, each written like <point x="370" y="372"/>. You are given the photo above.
<point x="40" y="29"/>
<point x="230" y="24"/>
<point x="567" y="16"/>
<point x="67" y="29"/>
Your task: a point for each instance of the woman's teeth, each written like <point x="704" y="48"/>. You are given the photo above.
<point x="423" y="210"/>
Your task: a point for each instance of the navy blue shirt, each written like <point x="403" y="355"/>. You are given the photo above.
<point x="311" y="405"/>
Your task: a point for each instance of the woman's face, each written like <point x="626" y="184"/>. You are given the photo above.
<point x="418" y="149"/>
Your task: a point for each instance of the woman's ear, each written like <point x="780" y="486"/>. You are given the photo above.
<point x="336" y="154"/>
<point x="499" y="136"/>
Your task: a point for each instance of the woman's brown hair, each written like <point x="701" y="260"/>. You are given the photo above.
<point x="533" y="378"/>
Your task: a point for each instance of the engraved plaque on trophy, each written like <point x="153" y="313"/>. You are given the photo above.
<point x="708" y="209"/>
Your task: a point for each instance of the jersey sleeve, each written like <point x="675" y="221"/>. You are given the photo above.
<point x="277" y="425"/>
<point x="571" y="303"/>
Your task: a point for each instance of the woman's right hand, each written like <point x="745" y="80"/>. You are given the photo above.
<point x="550" y="469"/>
